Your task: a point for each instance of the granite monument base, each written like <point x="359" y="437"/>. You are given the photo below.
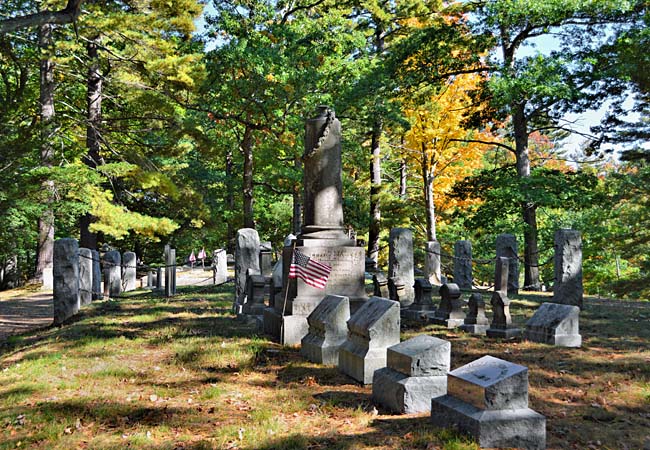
<point x="559" y="340"/>
<point x="518" y="428"/>
<point x="475" y="328"/>
<point x="500" y="333"/>
<point x="406" y="395"/>
<point x="361" y="363"/>
<point x="287" y="330"/>
<point x="449" y="323"/>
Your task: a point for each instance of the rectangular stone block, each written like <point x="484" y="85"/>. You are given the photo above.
<point x="65" y="270"/>
<point x="406" y="395"/>
<point x="420" y="356"/>
<point x="555" y="324"/>
<point x="490" y="383"/>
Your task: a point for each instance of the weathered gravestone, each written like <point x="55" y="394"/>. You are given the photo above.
<point x="151" y="279"/>
<point x="65" y="271"/>
<point x="327" y="330"/>
<point x="247" y="247"/>
<point x="85" y="276"/>
<point x="371" y="330"/>
<point x="506" y="246"/>
<point x="450" y="312"/>
<point x="417" y="372"/>
<point x="476" y="322"/>
<point x="555" y="324"/>
<point x="432" y="263"/>
<point x="219" y="267"/>
<point x="275" y="288"/>
<point x="266" y="258"/>
<point x="112" y="274"/>
<point x="254" y="295"/>
<point x="568" y="268"/>
<point x="463" y="264"/>
<point x="159" y="278"/>
<point x="488" y="400"/>
<point x="501" y="326"/>
<point x="400" y="262"/>
<point x="380" y="285"/>
<point x="396" y="289"/>
<point x="129" y="262"/>
<point x="324" y="238"/>
<point x="170" y="271"/>
<point x="97" y="276"/>
<point x="423" y="307"/>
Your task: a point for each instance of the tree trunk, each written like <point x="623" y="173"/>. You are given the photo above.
<point x="427" y="178"/>
<point x="247" y="187"/>
<point x="531" y="256"/>
<point x="94" y="112"/>
<point x="297" y="200"/>
<point x="402" y="179"/>
<point x="45" y="248"/>
<point x="230" y="203"/>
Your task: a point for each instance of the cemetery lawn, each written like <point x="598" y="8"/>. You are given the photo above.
<point x="147" y="372"/>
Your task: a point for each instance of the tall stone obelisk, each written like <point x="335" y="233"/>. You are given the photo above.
<point x="323" y="237"/>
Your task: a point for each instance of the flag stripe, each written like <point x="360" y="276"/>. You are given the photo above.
<point x="312" y="272"/>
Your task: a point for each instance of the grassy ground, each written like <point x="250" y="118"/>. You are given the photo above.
<point x="146" y="372"/>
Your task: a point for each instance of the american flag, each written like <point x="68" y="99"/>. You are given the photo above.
<point x="309" y="270"/>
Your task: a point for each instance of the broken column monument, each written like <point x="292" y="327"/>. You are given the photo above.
<point x="567" y="288"/>
<point x="488" y="400"/>
<point x="65" y="273"/>
<point x="371" y="330"/>
<point x="323" y="237"/>
<point x="501" y="326"/>
<point x="328" y="330"/>
<point x="416" y="372"/>
<point x="555" y="324"/>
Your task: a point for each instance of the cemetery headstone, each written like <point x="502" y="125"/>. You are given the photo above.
<point x="400" y="262"/>
<point x="380" y="285"/>
<point x="506" y="246"/>
<point x="488" y="400"/>
<point x="327" y="330"/>
<point x="266" y="258"/>
<point x="568" y="268"/>
<point x="150" y="279"/>
<point x="373" y="328"/>
<point x="247" y="246"/>
<point x="416" y="372"/>
<point x="255" y="295"/>
<point x="129" y="262"/>
<point x="159" y="278"/>
<point x="85" y="276"/>
<point x="432" y="263"/>
<point x="463" y="264"/>
<point x="170" y="271"/>
<point x="501" y="326"/>
<point x="396" y="289"/>
<point x="450" y="311"/>
<point x="275" y="291"/>
<point x="423" y="307"/>
<point x="555" y="324"/>
<point x="219" y="267"/>
<point x="476" y="322"/>
<point x="323" y="238"/>
<point x="97" y="276"/>
<point x="65" y="271"/>
<point x="112" y="274"/>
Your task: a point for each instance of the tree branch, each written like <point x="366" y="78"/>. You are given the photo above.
<point x="66" y="15"/>
<point x="478" y="141"/>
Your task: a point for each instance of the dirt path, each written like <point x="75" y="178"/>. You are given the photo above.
<point x="18" y="315"/>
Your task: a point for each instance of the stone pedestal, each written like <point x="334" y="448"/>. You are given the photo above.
<point x="380" y="285"/>
<point x="568" y="289"/>
<point x="423" y="308"/>
<point x="65" y="272"/>
<point x="501" y="326"/>
<point x="97" y="276"/>
<point x="463" y="264"/>
<point x="255" y="296"/>
<point x="112" y="274"/>
<point x="219" y="267"/>
<point x="129" y="262"/>
<point x="371" y="330"/>
<point x="85" y="276"/>
<point x="400" y="262"/>
<point x="417" y="372"/>
<point x="327" y="330"/>
<point x="488" y="400"/>
<point x="450" y="312"/>
<point x="555" y="324"/>
<point x="432" y="263"/>
<point x="506" y="246"/>
<point x="476" y="322"/>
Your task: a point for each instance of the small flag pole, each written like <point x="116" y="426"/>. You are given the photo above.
<point x="286" y="294"/>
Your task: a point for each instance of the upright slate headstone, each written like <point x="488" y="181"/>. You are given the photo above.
<point x="463" y="264"/>
<point x="112" y="274"/>
<point x="219" y="266"/>
<point x="555" y="324"/>
<point x="450" y="312"/>
<point x="400" y="261"/>
<point x="432" y="263"/>
<point x="417" y="372"/>
<point x="476" y="322"/>
<point x="97" y="276"/>
<point x="371" y="330"/>
<point x="327" y="330"/>
<point x="65" y="271"/>
<point x="506" y="246"/>
<point x="488" y="400"/>
<point x="380" y="285"/>
<point x="423" y="307"/>
<point x="128" y="271"/>
<point x="170" y="271"/>
<point x="568" y="268"/>
<point x="247" y="246"/>
<point x="501" y="326"/>
<point x="85" y="276"/>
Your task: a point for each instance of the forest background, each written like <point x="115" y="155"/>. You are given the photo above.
<point x="123" y="126"/>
